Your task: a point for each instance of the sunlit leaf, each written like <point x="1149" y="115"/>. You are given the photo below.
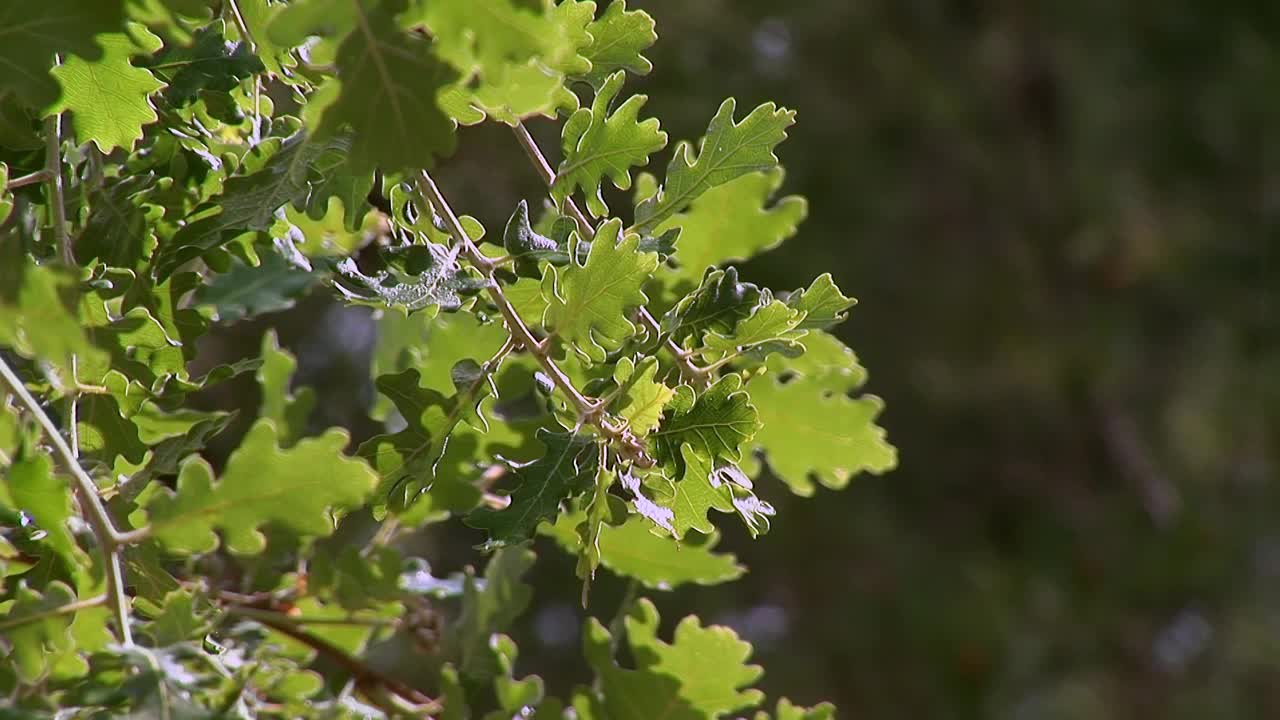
<point x="308" y="483"/>
<point x="605" y="142"/>
<point x="728" y="151"/>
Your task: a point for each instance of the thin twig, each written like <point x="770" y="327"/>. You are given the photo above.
<point x="53" y="174"/>
<point x="368" y="679"/>
<point x="69" y="608"/>
<point x="38" y="176"/>
<point x="689" y="371"/>
<point x="242" y="26"/>
<point x="99" y="521"/>
<point x="590" y="411"/>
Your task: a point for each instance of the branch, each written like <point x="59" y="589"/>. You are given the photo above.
<point x="53" y="174"/>
<point x="67" y="609"/>
<point x="690" y="372"/>
<point x="368" y="679"/>
<point x="99" y="521"/>
<point x="590" y="411"/>
<point x="38" y="176"/>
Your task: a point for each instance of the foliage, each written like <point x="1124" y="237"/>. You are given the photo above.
<point x="182" y="167"/>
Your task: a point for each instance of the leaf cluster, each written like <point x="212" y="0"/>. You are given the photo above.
<point x="603" y="379"/>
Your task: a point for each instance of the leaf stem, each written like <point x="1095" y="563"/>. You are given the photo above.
<point x="99" y="521"/>
<point x="515" y="324"/>
<point x="69" y="608"/>
<point x="368" y="679"/>
<point x="688" y="370"/>
<point x="242" y="26"/>
<point x="53" y="175"/>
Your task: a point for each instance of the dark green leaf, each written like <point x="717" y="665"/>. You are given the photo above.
<point x="566" y="470"/>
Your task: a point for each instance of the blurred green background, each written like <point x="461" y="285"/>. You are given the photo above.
<point x="1060" y="220"/>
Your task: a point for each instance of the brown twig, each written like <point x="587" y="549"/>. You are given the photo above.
<point x="109" y="539"/>
<point x="690" y="372"/>
<point x="590" y="411"/>
<point x="369" y="680"/>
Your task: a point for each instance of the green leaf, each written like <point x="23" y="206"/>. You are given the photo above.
<point x="290" y="25"/>
<point x="822" y="303"/>
<point x="36" y="316"/>
<point x="45" y="497"/>
<point x="257" y="15"/>
<point x="287" y="410"/>
<point x="588" y="305"/>
<point x="386" y="90"/>
<point x="598" y="143"/>
<point x="36" y="635"/>
<point x="641" y="399"/>
<point x="297" y="490"/>
<point x="120" y="229"/>
<point x="728" y="151"/>
<point x="699" y="675"/>
<point x="208" y="64"/>
<point x="787" y="711"/>
<point x="633" y="550"/>
<point x="249" y="202"/>
<point x="715" y="423"/>
<point x="630" y="694"/>
<point x="511" y="55"/>
<point x="182" y="617"/>
<point x="810" y="425"/>
<point x="718" y="305"/>
<point x="408" y="460"/>
<point x="521" y="240"/>
<point x="248" y="290"/>
<point x="528" y="246"/>
<point x="32" y="33"/>
<point x="773" y="326"/>
<point x="567" y="469"/>
<point x="6" y="198"/>
<point x="618" y="37"/>
<point x="709" y="661"/>
<point x="355" y="580"/>
<point x="733" y="222"/>
<point x="109" y="99"/>
<point x="488" y="35"/>
<point x="105" y="430"/>
<point x="704" y="486"/>
<point x="433" y="345"/>
<point x="489" y="608"/>
<point x="517" y="698"/>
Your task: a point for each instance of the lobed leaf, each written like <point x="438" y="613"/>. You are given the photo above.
<point x="566" y="469"/>
<point x="732" y="222"/>
<point x="600" y="143"/>
<point x="822" y="303"/>
<point x="32" y="33"/>
<point x="715" y="423"/>
<point x="728" y="151"/>
<point x="618" y="37"/>
<point x="110" y="99"/>
<point x="811" y="427"/>
<point x="307" y="484"/>
<point x="588" y="305"/>
<point x="385" y="92"/>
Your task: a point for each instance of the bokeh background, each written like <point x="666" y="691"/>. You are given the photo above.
<point x="1060" y="220"/>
